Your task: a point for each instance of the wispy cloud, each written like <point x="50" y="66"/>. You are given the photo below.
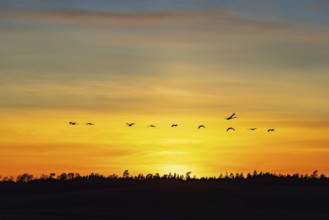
<point x="210" y="17"/>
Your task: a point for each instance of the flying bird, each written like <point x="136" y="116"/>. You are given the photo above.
<point x="231" y="117"/>
<point x="89" y="123"/>
<point x="152" y="126"/>
<point x="174" y="125"/>
<point x="271" y="129"/>
<point x="201" y="126"/>
<point x="130" y="124"/>
<point x="230" y="128"/>
<point x="252" y="129"/>
<point x="72" y="123"/>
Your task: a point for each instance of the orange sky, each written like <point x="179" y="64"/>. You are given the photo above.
<point x="189" y="66"/>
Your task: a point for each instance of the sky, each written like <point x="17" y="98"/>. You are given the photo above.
<point x="164" y="62"/>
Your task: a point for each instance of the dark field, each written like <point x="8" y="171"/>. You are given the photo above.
<point x="164" y="199"/>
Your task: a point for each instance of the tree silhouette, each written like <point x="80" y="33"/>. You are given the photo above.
<point x="24" y="178"/>
<point x="255" y="177"/>
<point x="44" y="177"/>
<point x="52" y="175"/>
<point x="188" y="175"/>
<point x="140" y="177"/>
<point x="70" y="176"/>
<point x="113" y="176"/>
<point x="63" y="177"/>
<point x="125" y="174"/>
<point x="315" y="174"/>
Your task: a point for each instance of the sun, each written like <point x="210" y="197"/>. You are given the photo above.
<point x="180" y="169"/>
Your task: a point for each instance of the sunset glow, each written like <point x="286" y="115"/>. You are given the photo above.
<point x="162" y="64"/>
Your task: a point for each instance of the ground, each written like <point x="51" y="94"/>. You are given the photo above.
<point x="167" y="200"/>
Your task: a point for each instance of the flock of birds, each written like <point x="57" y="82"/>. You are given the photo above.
<point x="233" y="116"/>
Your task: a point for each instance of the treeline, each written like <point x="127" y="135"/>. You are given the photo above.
<point x="265" y="176"/>
<point x="73" y="182"/>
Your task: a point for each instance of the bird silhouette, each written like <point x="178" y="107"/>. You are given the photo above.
<point x="201" y="126"/>
<point x="152" y="126"/>
<point x="231" y="117"/>
<point x="89" y="123"/>
<point x="130" y="124"/>
<point x="72" y="123"/>
<point x="252" y="129"/>
<point x="271" y="129"/>
<point x="174" y="125"/>
<point x="230" y="128"/>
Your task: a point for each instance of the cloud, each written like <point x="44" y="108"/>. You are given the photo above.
<point x="214" y="17"/>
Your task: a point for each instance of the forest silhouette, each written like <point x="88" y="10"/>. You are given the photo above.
<point x="257" y="195"/>
<point x="27" y="183"/>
